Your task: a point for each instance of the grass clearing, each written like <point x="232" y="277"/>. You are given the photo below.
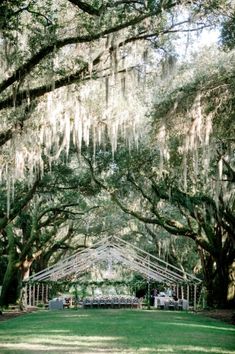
<point x="115" y="331"/>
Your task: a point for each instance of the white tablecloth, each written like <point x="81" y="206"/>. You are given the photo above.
<point x="163" y="300"/>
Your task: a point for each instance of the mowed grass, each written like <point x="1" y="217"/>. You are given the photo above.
<point x="115" y="331"/>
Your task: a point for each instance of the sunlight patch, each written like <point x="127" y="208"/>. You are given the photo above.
<point x="80" y="340"/>
<point x="52" y="342"/>
<point x="78" y="316"/>
<point x="94" y="349"/>
<point x="180" y="349"/>
<point x="203" y="326"/>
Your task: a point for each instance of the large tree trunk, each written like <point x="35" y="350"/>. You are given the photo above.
<point x="207" y="267"/>
<point x="219" y="280"/>
<point x="231" y="285"/>
<point x="12" y="278"/>
<point x="225" y="284"/>
<point x="221" y="284"/>
<point x="11" y="285"/>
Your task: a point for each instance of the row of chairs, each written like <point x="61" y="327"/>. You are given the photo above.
<point x="111" y="302"/>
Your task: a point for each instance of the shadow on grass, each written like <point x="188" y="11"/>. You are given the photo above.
<point x="115" y="331"/>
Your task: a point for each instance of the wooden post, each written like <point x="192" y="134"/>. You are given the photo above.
<point x="47" y="290"/>
<point x="148" y="300"/>
<point x="30" y="295"/>
<point x="26" y="295"/>
<point x="182" y="292"/>
<point x="43" y="294"/>
<point x="195" y="298"/>
<point x="33" y="295"/>
<point x="38" y="289"/>
<point x="188" y="293"/>
<point x="76" y="295"/>
<point x="177" y="291"/>
<point x="203" y="292"/>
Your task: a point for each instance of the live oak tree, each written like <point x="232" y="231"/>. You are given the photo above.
<point x="56" y="56"/>
<point x="64" y="213"/>
<point x="204" y="111"/>
<point x="227" y="37"/>
<point x="183" y="181"/>
<point x="50" y="48"/>
<point x="46" y="226"/>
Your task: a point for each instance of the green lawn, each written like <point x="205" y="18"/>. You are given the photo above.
<point x="115" y="331"/>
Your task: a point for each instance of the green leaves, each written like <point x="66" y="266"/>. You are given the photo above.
<point x="228" y="33"/>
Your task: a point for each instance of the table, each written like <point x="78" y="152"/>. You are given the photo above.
<point x="168" y="303"/>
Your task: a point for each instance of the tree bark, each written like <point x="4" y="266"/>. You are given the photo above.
<point x="12" y="279"/>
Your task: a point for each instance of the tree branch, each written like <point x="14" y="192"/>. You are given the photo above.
<point x="91" y="10"/>
<point x="22" y="71"/>
<point x="23" y="95"/>
<point x="99" y="183"/>
<point x="18" y="126"/>
<point x="18" y="206"/>
<point x="42" y="90"/>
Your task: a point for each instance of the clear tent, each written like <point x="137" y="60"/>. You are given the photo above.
<point x="112" y="249"/>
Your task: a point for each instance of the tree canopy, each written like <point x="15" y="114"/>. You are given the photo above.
<point x="107" y="129"/>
